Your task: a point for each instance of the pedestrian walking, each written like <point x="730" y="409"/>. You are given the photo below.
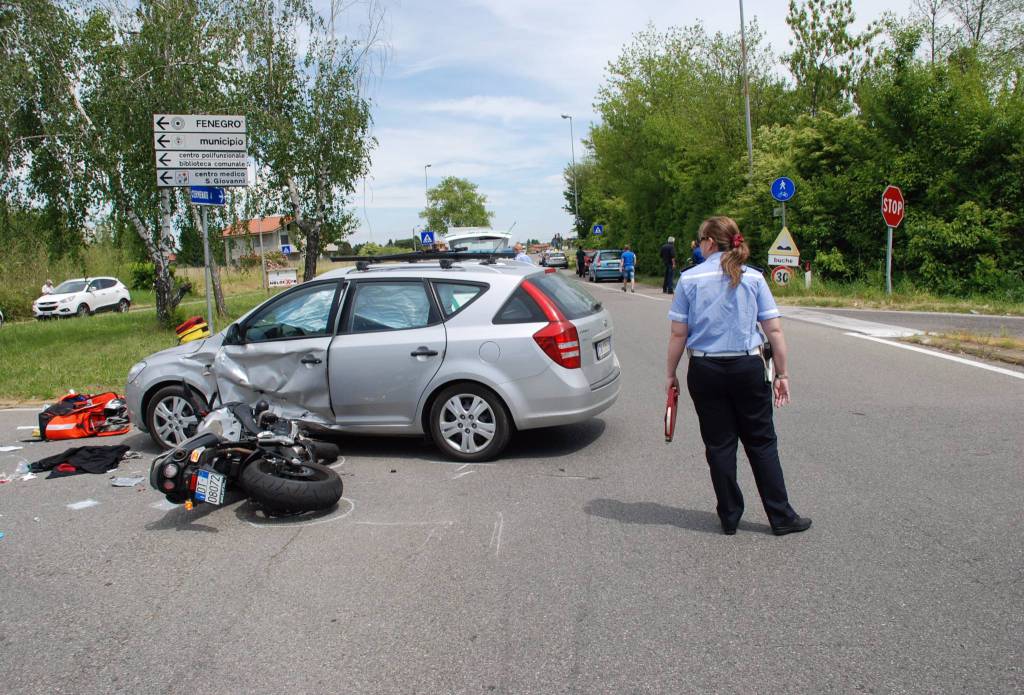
<point x="668" y="258"/>
<point x="521" y="254"/>
<point x="580" y="259"/>
<point x="696" y="256"/>
<point x="628" y="269"/>
<point x="714" y="315"/>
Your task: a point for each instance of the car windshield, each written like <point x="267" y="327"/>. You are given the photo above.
<point x="479" y="244"/>
<point x="69" y="287"/>
<point x="611" y="255"/>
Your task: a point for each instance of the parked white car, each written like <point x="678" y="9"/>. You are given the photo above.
<point x="83" y="297"/>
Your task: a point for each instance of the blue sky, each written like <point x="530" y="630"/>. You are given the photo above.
<point x="475" y="88"/>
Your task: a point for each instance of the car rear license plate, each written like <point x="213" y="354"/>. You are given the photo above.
<point x="604" y="348"/>
<point x="210" y="487"/>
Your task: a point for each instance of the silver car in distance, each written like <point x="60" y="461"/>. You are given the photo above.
<point x="465" y="351"/>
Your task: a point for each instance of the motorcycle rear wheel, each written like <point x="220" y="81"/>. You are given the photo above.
<point x="305" y="487"/>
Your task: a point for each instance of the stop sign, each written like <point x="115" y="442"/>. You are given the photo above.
<point x="892" y="206"/>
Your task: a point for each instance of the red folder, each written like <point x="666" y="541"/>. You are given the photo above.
<point x="671" y="406"/>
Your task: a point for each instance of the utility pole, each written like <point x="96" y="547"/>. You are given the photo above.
<point x="746" y="91"/>
<point x="426" y="188"/>
<point x="575" y="191"/>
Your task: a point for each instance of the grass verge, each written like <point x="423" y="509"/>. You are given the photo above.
<point x="997" y="348"/>
<point x="41" y="360"/>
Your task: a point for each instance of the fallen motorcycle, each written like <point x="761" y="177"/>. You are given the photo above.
<point x="269" y="457"/>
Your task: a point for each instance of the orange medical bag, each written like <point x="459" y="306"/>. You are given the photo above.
<point x="78" y="415"/>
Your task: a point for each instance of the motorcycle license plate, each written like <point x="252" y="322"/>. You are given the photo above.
<point x="604" y="348"/>
<point x="210" y="487"/>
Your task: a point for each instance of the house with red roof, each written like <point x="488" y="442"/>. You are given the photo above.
<point x="266" y="234"/>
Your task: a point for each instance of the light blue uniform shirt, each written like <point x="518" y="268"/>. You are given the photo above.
<point x="524" y="258"/>
<point x="721" y="318"/>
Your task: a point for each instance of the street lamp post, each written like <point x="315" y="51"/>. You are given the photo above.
<point x="426" y="188"/>
<point x="746" y="91"/>
<point x="575" y="192"/>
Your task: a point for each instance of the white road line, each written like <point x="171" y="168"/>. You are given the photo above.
<point x="645" y="296"/>
<point x="934" y="353"/>
<point x="21" y="410"/>
<point x="404" y="523"/>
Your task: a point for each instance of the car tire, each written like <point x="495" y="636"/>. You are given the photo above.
<point x="122" y="306"/>
<point x="83" y="311"/>
<point x="469" y="422"/>
<point x="170" y="418"/>
<point x="304" y="487"/>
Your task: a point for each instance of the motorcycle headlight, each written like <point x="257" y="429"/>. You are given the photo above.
<point x="134" y="372"/>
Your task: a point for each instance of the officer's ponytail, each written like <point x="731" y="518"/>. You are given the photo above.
<point x="726" y="235"/>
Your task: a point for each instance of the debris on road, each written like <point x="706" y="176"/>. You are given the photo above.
<point x="81" y="459"/>
<point x="84" y="504"/>
<point x="127" y="481"/>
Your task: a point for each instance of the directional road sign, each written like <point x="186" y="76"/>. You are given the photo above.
<point x="168" y="178"/>
<point x="783" y="189"/>
<point x="598" y="229"/>
<point x="201" y="160"/>
<point x="197" y="123"/>
<point x="206" y="195"/>
<point x="199" y="141"/>
<point x="893" y="206"/>
<point x="200" y="150"/>
<point x="426" y="238"/>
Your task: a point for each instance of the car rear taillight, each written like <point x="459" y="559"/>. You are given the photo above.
<point x="559" y="339"/>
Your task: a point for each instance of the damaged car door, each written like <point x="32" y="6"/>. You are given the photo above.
<point x="279" y="352"/>
<point x="390" y="344"/>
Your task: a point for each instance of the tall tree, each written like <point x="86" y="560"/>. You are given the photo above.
<point x="311" y="123"/>
<point x="455" y="202"/>
<point x="827" y="56"/>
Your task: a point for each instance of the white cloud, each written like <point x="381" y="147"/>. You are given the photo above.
<point x="503" y="108"/>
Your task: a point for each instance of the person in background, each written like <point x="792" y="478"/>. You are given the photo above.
<point x="714" y="315"/>
<point x="628" y="269"/>
<point x="580" y="260"/>
<point x="668" y="257"/>
<point x="47" y="287"/>
<point x="521" y="254"/>
<point x="696" y="256"/>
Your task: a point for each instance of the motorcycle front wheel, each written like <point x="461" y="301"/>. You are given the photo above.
<point x="291" y="488"/>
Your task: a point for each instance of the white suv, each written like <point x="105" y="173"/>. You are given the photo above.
<point x="82" y="297"/>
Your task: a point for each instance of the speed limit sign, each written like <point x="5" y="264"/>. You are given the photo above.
<point x="782" y="275"/>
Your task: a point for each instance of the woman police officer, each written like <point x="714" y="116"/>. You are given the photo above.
<point x="715" y="312"/>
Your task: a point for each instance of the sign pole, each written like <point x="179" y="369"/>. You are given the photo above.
<point x="888" y="262"/>
<point x="783" y="213"/>
<point x="208" y="274"/>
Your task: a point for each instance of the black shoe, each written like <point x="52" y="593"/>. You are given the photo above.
<point x="794" y="525"/>
<point x="729" y="530"/>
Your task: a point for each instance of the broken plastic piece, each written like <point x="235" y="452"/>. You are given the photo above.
<point x="127" y="481"/>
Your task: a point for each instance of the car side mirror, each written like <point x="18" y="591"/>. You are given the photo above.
<point x="235" y="335"/>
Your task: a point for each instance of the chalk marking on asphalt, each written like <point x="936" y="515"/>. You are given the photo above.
<point x="339" y="463"/>
<point x="462" y="466"/>
<point x="404" y="523"/>
<point x="164" y="505"/>
<point x="21" y="410"/>
<point x="422" y="545"/>
<point x="293" y="523"/>
<point x="459" y="475"/>
<point x="84" y="504"/>
<point x="933" y="353"/>
<point x="499" y="525"/>
<point x="27" y="427"/>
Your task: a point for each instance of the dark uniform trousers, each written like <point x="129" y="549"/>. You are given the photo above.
<point x="733" y="403"/>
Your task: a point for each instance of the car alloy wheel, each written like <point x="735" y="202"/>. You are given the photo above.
<point x="469" y="422"/>
<point x="83" y="310"/>
<point x="170" y="417"/>
<point x="122" y="306"/>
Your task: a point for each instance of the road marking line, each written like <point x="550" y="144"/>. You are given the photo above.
<point x="647" y="296"/>
<point x="21" y="410"/>
<point x="404" y="523"/>
<point x="933" y="353"/>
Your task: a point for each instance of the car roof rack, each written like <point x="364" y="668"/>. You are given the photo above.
<point x="444" y="258"/>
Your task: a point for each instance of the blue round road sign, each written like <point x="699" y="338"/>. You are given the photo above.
<point x="783" y="189"/>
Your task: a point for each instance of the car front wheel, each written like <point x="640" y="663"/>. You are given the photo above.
<point x="170" y="417"/>
<point x="123" y="305"/>
<point x="468" y="422"/>
<point x="83" y="310"/>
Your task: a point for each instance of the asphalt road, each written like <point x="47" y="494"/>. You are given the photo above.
<point x="588" y="560"/>
<point x="983" y="324"/>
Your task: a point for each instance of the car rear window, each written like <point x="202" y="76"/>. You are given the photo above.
<point x="610" y="255"/>
<point x="570" y="298"/>
<point x="520" y="308"/>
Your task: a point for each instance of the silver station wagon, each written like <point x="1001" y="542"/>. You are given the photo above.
<point x="465" y="351"/>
